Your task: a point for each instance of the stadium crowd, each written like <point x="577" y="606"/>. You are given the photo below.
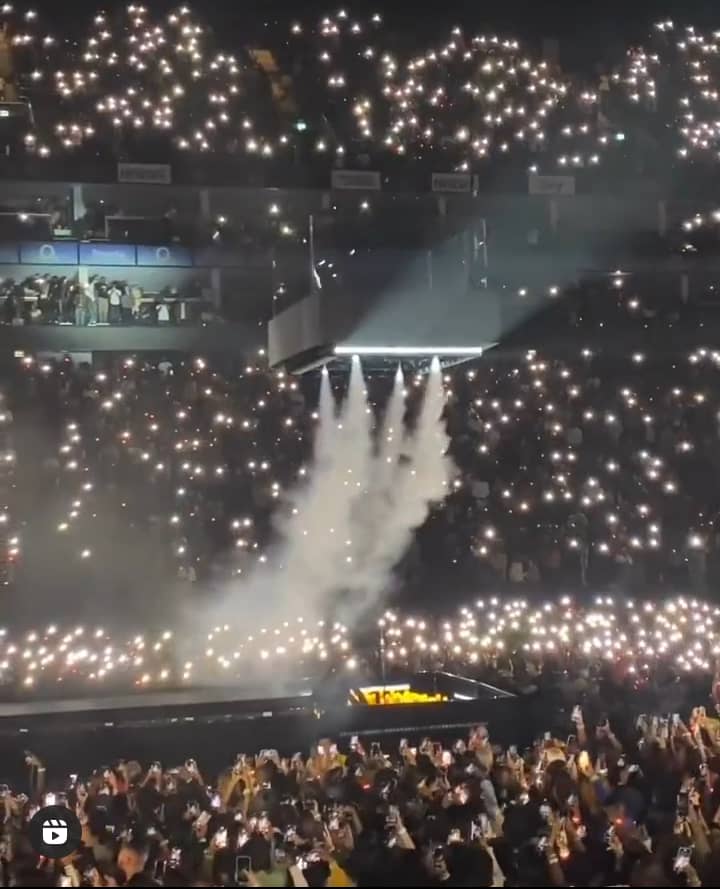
<point x="581" y="516"/>
<point x="331" y="94"/>
<point x="570" y="471"/>
<point x="599" y="804"/>
<point x="341" y="93"/>
<point x="570" y="475"/>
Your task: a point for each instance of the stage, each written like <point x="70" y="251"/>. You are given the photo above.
<point x="215" y="723"/>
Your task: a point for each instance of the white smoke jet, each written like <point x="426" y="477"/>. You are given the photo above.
<point x="397" y="508"/>
<point x="355" y="518"/>
<point x="306" y="568"/>
<point x="375" y="505"/>
<point x="355" y="442"/>
<point x="326" y="427"/>
<point x="393" y="431"/>
<point x="392" y="437"/>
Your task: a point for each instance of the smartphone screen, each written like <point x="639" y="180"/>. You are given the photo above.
<point x="683" y="805"/>
<point x="243" y="866"/>
<point x="682" y="859"/>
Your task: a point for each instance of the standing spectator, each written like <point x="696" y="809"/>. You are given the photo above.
<point x="9" y="308"/>
<point x="163" y="313"/>
<point x="81" y="307"/>
<point x="69" y="300"/>
<point x="132" y="859"/>
<point x="91" y="304"/>
<point x="54" y="294"/>
<point x="126" y="304"/>
<point x="136" y="292"/>
<point x="19" y="295"/>
<point x="102" y="300"/>
<point x="114" y="295"/>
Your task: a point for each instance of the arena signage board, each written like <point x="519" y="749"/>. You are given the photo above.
<point x="551" y="185"/>
<point x="107" y="254"/>
<point x="9" y="253"/>
<point x="164" y="256"/>
<point x="55" y="253"/>
<point x="145" y="174"/>
<point x="460" y="183"/>
<point x="110" y="254"/>
<point x="358" y="180"/>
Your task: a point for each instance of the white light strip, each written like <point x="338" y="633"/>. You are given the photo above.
<point x="440" y="351"/>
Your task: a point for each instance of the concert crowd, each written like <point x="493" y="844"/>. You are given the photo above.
<point x="600" y="805"/>
<point x="572" y="555"/>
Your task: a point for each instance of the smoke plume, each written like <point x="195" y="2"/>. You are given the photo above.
<point x="353" y="519"/>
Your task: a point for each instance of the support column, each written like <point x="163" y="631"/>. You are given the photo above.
<point x="205" y="208"/>
<point x="78" y="202"/>
<point x="216" y="288"/>
<point x="554" y="209"/>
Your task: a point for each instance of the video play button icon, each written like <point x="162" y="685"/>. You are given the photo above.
<point x="55" y="831"/>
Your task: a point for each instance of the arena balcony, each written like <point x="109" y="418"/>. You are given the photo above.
<point x="209" y="267"/>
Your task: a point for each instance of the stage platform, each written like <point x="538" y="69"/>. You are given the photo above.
<point x="215" y="723"/>
<point x="297" y="694"/>
<point x="182" y="699"/>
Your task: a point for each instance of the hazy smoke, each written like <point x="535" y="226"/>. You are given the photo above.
<point x="375" y="505"/>
<point x="413" y="472"/>
<point x="354" y="518"/>
<point x="317" y="536"/>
